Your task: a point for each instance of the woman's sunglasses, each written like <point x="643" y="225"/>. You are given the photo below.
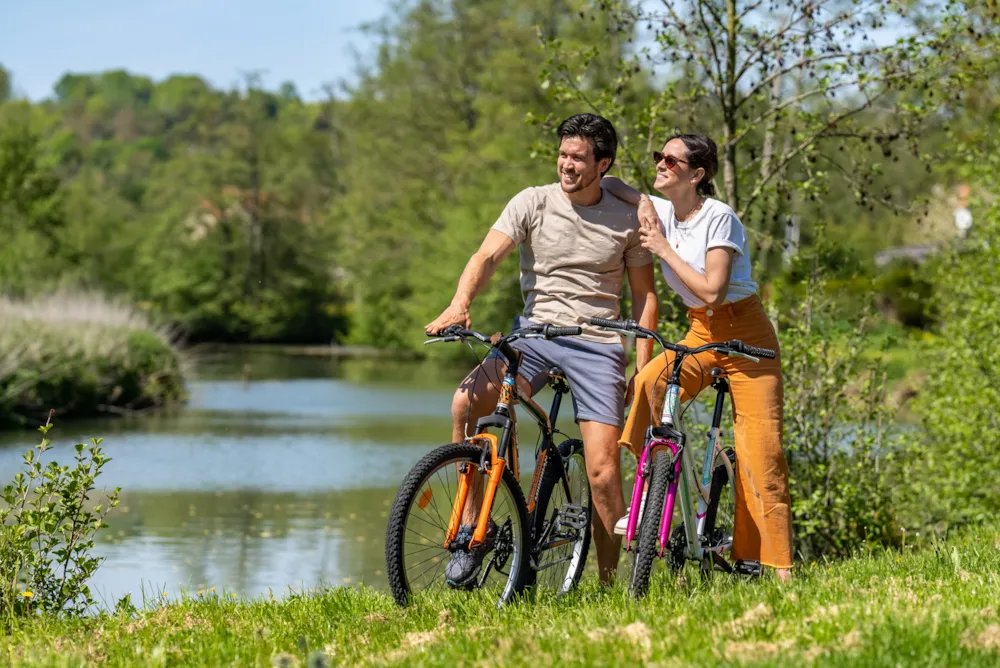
<point x="671" y="161"/>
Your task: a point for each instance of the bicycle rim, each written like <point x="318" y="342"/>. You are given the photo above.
<point x="419" y="522"/>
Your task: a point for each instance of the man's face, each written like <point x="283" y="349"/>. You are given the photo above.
<point x="577" y="167"/>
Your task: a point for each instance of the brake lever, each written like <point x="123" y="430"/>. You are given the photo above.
<point x="443" y="339"/>
<point x="733" y="353"/>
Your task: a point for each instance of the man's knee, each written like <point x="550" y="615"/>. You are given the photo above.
<point x="604" y="471"/>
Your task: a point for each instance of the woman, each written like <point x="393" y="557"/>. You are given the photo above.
<point x="703" y="253"/>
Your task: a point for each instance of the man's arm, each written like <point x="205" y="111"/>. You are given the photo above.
<point x="478" y="270"/>
<point x="626" y="193"/>
<point x="645" y="309"/>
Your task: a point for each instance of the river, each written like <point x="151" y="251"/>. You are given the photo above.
<point x="277" y="475"/>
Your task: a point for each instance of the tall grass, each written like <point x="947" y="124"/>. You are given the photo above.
<point x="82" y="354"/>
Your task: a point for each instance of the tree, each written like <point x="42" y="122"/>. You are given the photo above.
<point x="435" y="142"/>
<point x="31" y="212"/>
<point x="795" y="92"/>
<point x="6" y="89"/>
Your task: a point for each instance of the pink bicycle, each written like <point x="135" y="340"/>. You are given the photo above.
<point x="708" y="504"/>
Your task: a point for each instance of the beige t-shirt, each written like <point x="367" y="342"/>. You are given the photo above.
<point x="573" y="257"/>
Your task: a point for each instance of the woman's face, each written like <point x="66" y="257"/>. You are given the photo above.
<point x="679" y="176"/>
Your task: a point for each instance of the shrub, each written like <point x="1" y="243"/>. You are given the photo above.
<point x="837" y="429"/>
<point x="82" y="354"/>
<point x="47" y="530"/>
<point x="952" y="459"/>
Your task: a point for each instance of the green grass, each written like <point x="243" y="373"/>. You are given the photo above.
<point x="935" y="606"/>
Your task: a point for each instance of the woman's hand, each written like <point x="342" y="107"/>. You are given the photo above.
<point x="647" y="214"/>
<point x="654" y="241"/>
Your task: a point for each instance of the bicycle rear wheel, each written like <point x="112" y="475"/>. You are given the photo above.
<point x="560" y="522"/>
<point x="649" y="528"/>
<point x="720" y="516"/>
<point x="415" y="554"/>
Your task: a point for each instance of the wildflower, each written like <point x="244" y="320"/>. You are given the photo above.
<point x="201" y="592"/>
<point x="233" y="595"/>
<point x="165" y="594"/>
<point x="26" y="594"/>
<point x="211" y="589"/>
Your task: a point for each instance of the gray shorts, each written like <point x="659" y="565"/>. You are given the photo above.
<point x="595" y="371"/>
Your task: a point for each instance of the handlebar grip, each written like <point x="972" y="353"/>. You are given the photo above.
<point x="759" y="352"/>
<point x="610" y="324"/>
<point x="551" y="331"/>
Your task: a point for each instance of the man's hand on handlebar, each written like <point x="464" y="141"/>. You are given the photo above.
<point x="453" y="315"/>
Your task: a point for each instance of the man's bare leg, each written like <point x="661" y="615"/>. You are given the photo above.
<point x="475" y="398"/>
<point x="600" y="449"/>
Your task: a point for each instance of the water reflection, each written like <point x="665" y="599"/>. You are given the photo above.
<point x="246" y="540"/>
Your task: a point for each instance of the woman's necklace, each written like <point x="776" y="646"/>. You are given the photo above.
<point x="691" y="214"/>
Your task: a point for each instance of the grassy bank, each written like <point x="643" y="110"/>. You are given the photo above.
<point x="935" y="606"/>
<point x="81" y="355"/>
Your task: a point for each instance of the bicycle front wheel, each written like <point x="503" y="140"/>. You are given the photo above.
<point x="561" y="520"/>
<point x="649" y="528"/>
<point x="415" y="552"/>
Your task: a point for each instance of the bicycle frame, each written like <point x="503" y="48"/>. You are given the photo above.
<point x="670" y="437"/>
<point x="498" y="448"/>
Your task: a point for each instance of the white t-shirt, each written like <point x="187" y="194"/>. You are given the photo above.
<point x="715" y="226"/>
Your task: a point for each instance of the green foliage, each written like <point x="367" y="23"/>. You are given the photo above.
<point x="423" y="188"/>
<point x="31" y="212"/>
<point x="837" y="432"/>
<point x="955" y="451"/>
<point x="48" y="522"/>
<point x="905" y="294"/>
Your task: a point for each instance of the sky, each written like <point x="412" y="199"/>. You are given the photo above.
<point x="308" y="42"/>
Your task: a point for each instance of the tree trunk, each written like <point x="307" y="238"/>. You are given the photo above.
<point x="729" y="108"/>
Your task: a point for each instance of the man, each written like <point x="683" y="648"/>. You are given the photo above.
<point x="576" y="244"/>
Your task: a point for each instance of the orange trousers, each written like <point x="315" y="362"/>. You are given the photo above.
<point x="763" y="520"/>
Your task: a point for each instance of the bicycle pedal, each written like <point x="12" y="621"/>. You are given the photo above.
<point x="572" y="516"/>
<point x="748" y="568"/>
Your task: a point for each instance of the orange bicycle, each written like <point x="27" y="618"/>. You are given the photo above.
<point x="541" y="542"/>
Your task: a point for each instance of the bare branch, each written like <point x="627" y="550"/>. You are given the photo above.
<point x="858" y="186"/>
<point x="820" y="90"/>
<point x="749" y="9"/>
<point x="714" y="75"/>
<point x="791" y="155"/>
<point x="805" y="62"/>
<point x="711" y="43"/>
<point x="775" y="40"/>
<point x="763" y="45"/>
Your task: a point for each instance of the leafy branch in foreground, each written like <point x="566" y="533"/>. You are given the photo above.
<point x="47" y="531"/>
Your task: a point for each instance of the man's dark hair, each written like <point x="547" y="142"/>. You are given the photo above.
<point x="701" y="153"/>
<point x="595" y="129"/>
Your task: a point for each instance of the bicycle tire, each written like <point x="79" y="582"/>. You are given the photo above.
<point x="551" y="479"/>
<point x="407" y="495"/>
<point x="649" y="527"/>
<point x="721" y="480"/>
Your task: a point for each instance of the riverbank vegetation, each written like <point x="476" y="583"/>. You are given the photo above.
<point x="79" y="355"/>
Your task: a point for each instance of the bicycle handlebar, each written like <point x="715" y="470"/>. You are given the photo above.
<point x="734" y="347"/>
<point x="455" y="332"/>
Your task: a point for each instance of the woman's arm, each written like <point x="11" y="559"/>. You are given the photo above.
<point x="710" y="288"/>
